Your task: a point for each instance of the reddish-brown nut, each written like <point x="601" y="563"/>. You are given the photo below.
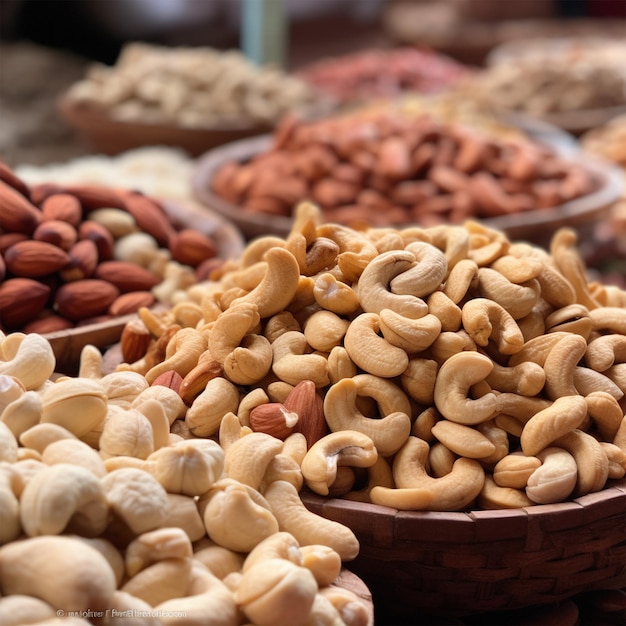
<point x="130" y="302"/>
<point x="63" y="207"/>
<point x="135" y="340"/>
<point x="191" y="247"/>
<point x="17" y="213"/>
<point x="21" y="300"/>
<point x="83" y="260"/>
<point x="100" y="236"/>
<point x="31" y="259"/>
<point x="84" y="299"/>
<point x="127" y="276"/>
<point x="56" y="232"/>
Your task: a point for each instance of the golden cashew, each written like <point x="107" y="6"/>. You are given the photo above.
<point x="453" y="384"/>
<point x="280" y="545"/>
<point x="29" y="358"/>
<point x="279" y="324"/>
<point x="278" y="285"/>
<point x="388" y="432"/>
<point x="324" y="330"/>
<point x="340" y="365"/>
<point x="605" y="412"/>
<point x="205" y="414"/>
<point x="453" y="241"/>
<point x="517" y="299"/>
<point x="494" y="496"/>
<point x="126" y="433"/>
<point x="445" y="310"/>
<point x="518" y="269"/>
<point x="283" y="467"/>
<point x="555" y="287"/>
<point x="231" y="327"/>
<point x="334" y="295"/>
<point x="537" y="348"/>
<point x="555" y="479"/>
<point x="485" y="319"/>
<point x="591" y="460"/>
<point x="498" y="437"/>
<point x="610" y="319"/>
<point x="293" y="363"/>
<point x="374" y="285"/>
<point x="526" y="378"/>
<point x="416" y="490"/>
<point x="343" y="448"/>
<point x="427" y="271"/>
<point x="247" y="459"/>
<point x="418" y="379"/>
<point x="377" y="474"/>
<point x="548" y="425"/>
<point x="411" y="335"/>
<point x="560" y="364"/>
<point x="90" y="362"/>
<point x="154" y="546"/>
<point x="606" y="351"/>
<point x="75" y="452"/>
<point x="60" y="570"/>
<point x="574" y="318"/>
<point x="237" y="516"/>
<point x="588" y="381"/>
<point x="307" y="527"/>
<point x="514" y="470"/>
<point x="315" y="256"/>
<point x="440" y="459"/>
<point x="449" y="343"/>
<point x="463" y="440"/>
<point x="181" y="354"/>
<point x="323" y="562"/>
<point x="62" y="498"/>
<point x="163" y="580"/>
<point x="371" y="352"/>
<point x="459" y="279"/>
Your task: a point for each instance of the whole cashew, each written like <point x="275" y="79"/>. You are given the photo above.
<point x="426" y="274"/>
<point x="526" y="378"/>
<point x="181" y="354"/>
<point x="334" y="295"/>
<point x="605" y="412"/>
<point x="418" y="379"/>
<point x="514" y="470"/>
<point x="609" y="318"/>
<point x="494" y="496"/>
<point x="445" y="310"/>
<point x="29" y="358"/>
<point x="606" y="351"/>
<point x="517" y="299"/>
<point x="459" y="279"/>
<point x="324" y="330"/>
<point x="463" y="440"/>
<point x="555" y="479"/>
<point x="574" y="318"/>
<point x="560" y="364"/>
<point x="485" y="319"/>
<point x="247" y="459"/>
<point x="219" y="397"/>
<point x="292" y="362"/>
<point x="412" y="335"/>
<point x="154" y="546"/>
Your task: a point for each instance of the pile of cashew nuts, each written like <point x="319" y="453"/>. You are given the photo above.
<point x="433" y="368"/>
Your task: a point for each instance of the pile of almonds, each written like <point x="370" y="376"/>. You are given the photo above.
<point x="384" y="169"/>
<point x="71" y="255"/>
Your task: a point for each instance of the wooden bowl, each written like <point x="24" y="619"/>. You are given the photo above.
<point x="464" y="563"/>
<point x="68" y="344"/>
<point x="536" y="226"/>
<point x="110" y="136"/>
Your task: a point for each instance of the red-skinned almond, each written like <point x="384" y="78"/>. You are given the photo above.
<point x="127" y="276"/>
<point x="21" y="300"/>
<point x="30" y="259"/>
<point x="86" y="298"/>
<point x="17" y="213"/>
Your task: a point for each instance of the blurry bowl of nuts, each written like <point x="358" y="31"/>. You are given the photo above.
<point x="194" y="98"/>
<point x="78" y="261"/>
<point x="385" y="170"/>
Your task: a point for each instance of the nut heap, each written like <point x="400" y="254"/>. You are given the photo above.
<point x="111" y="513"/>
<point x="76" y="254"/>
<point x="191" y="87"/>
<point x="435" y="368"/>
<point x="384" y="169"/>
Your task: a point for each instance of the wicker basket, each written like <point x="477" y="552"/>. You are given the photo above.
<point x="457" y="563"/>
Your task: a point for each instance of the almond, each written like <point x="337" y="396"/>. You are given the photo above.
<point x="100" y="236"/>
<point x="40" y="191"/>
<point x="95" y="197"/>
<point x="190" y="247"/>
<point x="304" y="400"/>
<point x="30" y="259"/>
<point x="21" y="300"/>
<point x="83" y="261"/>
<point x="8" y="239"/>
<point x="274" y="419"/>
<point x="149" y="216"/>
<point x="135" y="340"/>
<point x="48" y="322"/>
<point x="56" y="232"/>
<point x="17" y="213"/>
<point x="13" y="180"/>
<point x="86" y="298"/>
<point x="127" y="276"/>
<point x="171" y="379"/>
<point x="131" y="302"/>
<point x="63" y="207"/>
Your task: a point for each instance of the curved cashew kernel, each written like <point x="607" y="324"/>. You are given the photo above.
<point x="485" y="319"/>
<point x="587" y="381"/>
<point x="218" y="560"/>
<point x="537" y="348"/>
<point x="340" y="365"/>
<point x="64" y="497"/>
<point x="517" y="299"/>
<point x="452" y="389"/>
<point x="574" y="318"/>
<point x="256" y="249"/>
<point x="522" y="408"/>
<point x="278" y="285"/>
<point x="605" y="351"/>
<point x="323" y="562"/>
<point x="347" y="447"/>
<point x="494" y="496"/>
<point x="126" y="433"/>
<point x="137" y="498"/>
<point x="324" y="330"/>
<point x="237" y="516"/>
<point x="555" y="479"/>
<point x="569" y="262"/>
<point x="62" y="571"/>
<point x="388" y="433"/>
<point x="454" y="241"/>
<point x="418" y="379"/>
<point x="154" y="546"/>
<point x="280" y="545"/>
<point x="605" y="412"/>
<point x="20" y="609"/>
<point x="90" y="362"/>
<point x="518" y="269"/>
<point x="189" y="467"/>
<point x="181" y="355"/>
<point x="609" y="318"/>
<point x="463" y="440"/>
<point x="427" y="271"/>
<point x="247" y="459"/>
<point x="276" y="592"/>
<point x="279" y="324"/>
<point x="459" y="280"/>
<point x="374" y="290"/>
<point x="500" y="439"/>
<point x="188" y="314"/>
<point x="249" y="362"/>
<point x="169" y="400"/>
<point x="440" y="460"/>
<point x="31" y="360"/>
<point x="424" y="422"/>
<point x="313" y="257"/>
<point x="560" y="363"/>
<point x="307" y="527"/>
<point x="416" y="490"/>
<point x="352" y="609"/>
<point x="39" y="436"/>
<point x="255" y="397"/>
<point x="555" y="287"/>
<point x="617" y="460"/>
<point x="205" y="414"/>
<point x="75" y="452"/>
<point x="370" y="351"/>
<point x="163" y="580"/>
<point x="514" y="470"/>
<point x="591" y="460"/>
<point x="411" y="335"/>
<point x="283" y="467"/>
<point x="445" y="310"/>
<point x="547" y="426"/>
<point x="230" y="328"/>
<point x="292" y="363"/>
<point x="526" y="378"/>
<point x="335" y="296"/>
<point x="77" y="404"/>
<point x="449" y="343"/>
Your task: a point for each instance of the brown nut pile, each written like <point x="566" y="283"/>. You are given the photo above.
<point x="385" y="169"/>
<point x="371" y="74"/>
<point x="107" y="516"/>
<point x="74" y="254"/>
<point x="437" y="368"/>
<point x="191" y="87"/>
